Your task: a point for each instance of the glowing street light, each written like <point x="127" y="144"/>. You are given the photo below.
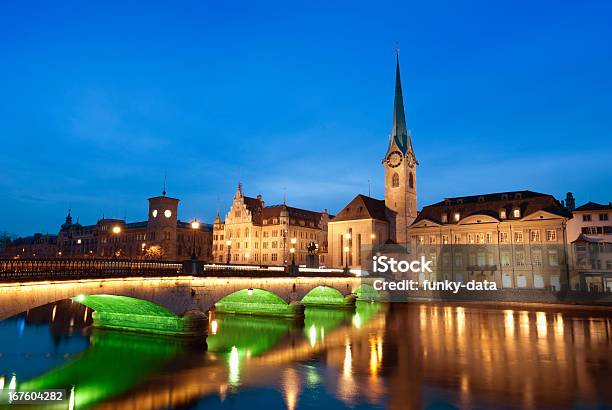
<point x="116" y="229"/>
<point x="195" y="225"/>
<point x="346" y="255"/>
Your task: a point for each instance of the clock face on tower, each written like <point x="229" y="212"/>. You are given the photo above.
<point x="394" y="159"/>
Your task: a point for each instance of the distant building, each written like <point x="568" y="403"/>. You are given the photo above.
<point x="36" y="246"/>
<point x="253" y="233"/>
<point x="590" y="238"/>
<point x="516" y="239"/>
<point x="161" y="236"/>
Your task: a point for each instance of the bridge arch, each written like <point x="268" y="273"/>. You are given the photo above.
<point x="133" y="314"/>
<point x="257" y="301"/>
<point x="327" y="296"/>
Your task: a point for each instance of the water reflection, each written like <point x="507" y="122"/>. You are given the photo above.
<point x="383" y="356"/>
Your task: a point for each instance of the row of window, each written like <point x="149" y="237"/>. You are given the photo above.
<point x="482" y="259"/>
<point x="516" y="213"/>
<point x="264" y="245"/>
<point x="596" y="230"/>
<point x="534" y="235"/>
<point x="265" y="257"/>
<point x="266" y="234"/>
<point x="587" y="217"/>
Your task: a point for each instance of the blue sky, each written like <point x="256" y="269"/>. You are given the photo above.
<point x="98" y="101"/>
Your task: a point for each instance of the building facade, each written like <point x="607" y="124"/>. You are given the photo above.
<point x="253" y="233"/>
<point x="590" y="238"/>
<point x="515" y="239"/>
<point x="36" y="246"/>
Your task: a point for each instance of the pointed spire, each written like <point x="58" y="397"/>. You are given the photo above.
<point x="399" y="132"/>
<point x="164" y="191"/>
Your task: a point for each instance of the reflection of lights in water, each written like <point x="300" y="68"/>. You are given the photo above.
<point x="448" y="316"/>
<point x="322" y="334"/>
<point x="234" y="366"/>
<point x="85" y="315"/>
<point x="214" y="326"/>
<point x="524" y="320"/>
<point x="541" y="324"/>
<point x="222" y="392"/>
<point x="465" y="383"/>
<point x="348" y="360"/>
<point x="379" y="347"/>
<point x="460" y="320"/>
<point x="1" y="383"/>
<point x="312" y="376"/>
<point x="291" y="387"/>
<point x="20" y="326"/>
<point x="373" y="356"/>
<point x="357" y="321"/>
<point x="312" y="334"/>
<point x="559" y="325"/>
<point x="71" y="322"/>
<point x="53" y="312"/>
<point x="71" y="400"/>
<point x="509" y="322"/>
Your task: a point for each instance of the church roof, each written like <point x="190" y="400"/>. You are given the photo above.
<point x="399" y="133"/>
<point x="362" y="207"/>
<point x="490" y="204"/>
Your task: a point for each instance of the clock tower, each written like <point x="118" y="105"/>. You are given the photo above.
<point x="400" y="171"/>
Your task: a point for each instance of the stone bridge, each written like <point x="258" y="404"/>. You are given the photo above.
<point x="180" y="295"/>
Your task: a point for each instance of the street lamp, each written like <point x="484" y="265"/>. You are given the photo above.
<point x="195" y="225"/>
<point x="292" y="252"/>
<point x="228" y="243"/>
<point x="116" y="230"/>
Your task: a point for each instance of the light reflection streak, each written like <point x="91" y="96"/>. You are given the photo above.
<point x="541" y="324"/>
<point x="234" y="366"/>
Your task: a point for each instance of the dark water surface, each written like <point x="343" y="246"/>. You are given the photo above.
<point x="399" y="356"/>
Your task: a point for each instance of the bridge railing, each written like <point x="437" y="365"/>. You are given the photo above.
<point x="50" y="269"/>
<point x="46" y="269"/>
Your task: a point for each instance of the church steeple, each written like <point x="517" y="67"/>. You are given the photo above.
<point x="399" y="134"/>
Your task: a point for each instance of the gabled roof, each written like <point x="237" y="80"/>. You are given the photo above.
<point x="594" y="206"/>
<point x="490" y="204"/>
<point x="362" y="207"/>
<point x="274" y="211"/>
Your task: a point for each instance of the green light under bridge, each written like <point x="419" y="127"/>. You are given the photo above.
<point x="367" y="293"/>
<point x="137" y="315"/>
<point x="328" y="296"/>
<point x="259" y="302"/>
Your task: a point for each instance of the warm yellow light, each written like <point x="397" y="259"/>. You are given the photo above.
<point x="372" y="236"/>
<point x="116" y="229"/>
<point x="60" y="253"/>
<point x="292" y="250"/>
<point x="228" y="243"/>
<point x="214" y="326"/>
<point x="347" y="236"/>
<point x="293" y="241"/>
<point x="143" y="245"/>
<point x="195" y="225"/>
<point x="250" y="291"/>
<point x="247" y="255"/>
<point x="346" y="249"/>
<point x="79" y="241"/>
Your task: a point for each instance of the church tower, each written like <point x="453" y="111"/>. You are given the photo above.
<point x="400" y="171"/>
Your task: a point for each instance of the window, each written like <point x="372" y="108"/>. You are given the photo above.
<point x="503" y="237"/>
<point x="535" y="235"/>
<point x="479" y="238"/>
<point x="274" y="245"/>
<point x="265" y="245"/>
<point x="457" y="216"/>
<point x="518" y="236"/>
<point x="470" y="238"/>
<point x="274" y="256"/>
<point x="264" y="257"/>
<point x="603" y="217"/>
<point x="444" y="218"/>
<point x="395" y="180"/>
<point x="502" y="214"/>
<point x="551" y="235"/>
<point x="411" y="180"/>
<point x="432" y="239"/>
<point x="520" y="258"/>
<point x="553" y="258"/>
<point x="445" y="239"/>
<point x="516" y="213"/>
<point x="458" y="259"/>
<point x="536" y="258"/>
<point x="421" y="240"/>
<point x="481" y="259"/>
<point x="586" y="218"/>
<point x="489" y="237"/>
<point x="457" y="238"/>
<point x="505" y="259"/>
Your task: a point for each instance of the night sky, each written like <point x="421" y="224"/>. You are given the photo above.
<point x="99" y="101"/>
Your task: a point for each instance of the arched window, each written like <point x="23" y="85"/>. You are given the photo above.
<point x="411" y="180"/>
<point x="395" y="180"/>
